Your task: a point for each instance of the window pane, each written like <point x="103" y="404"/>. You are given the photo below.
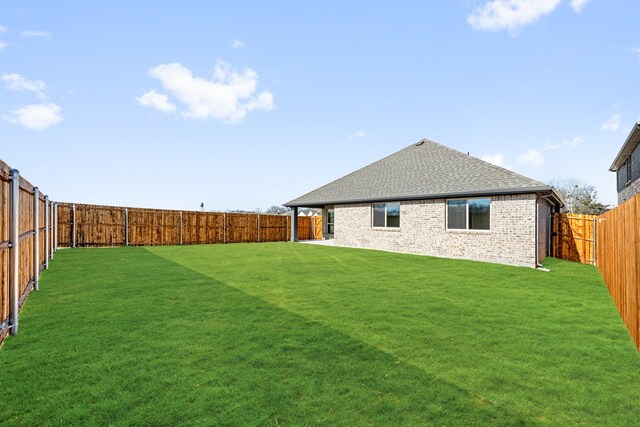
<point x="393" y="214"/>
<point x="479" y="214"/>
<point x="330" y="220"/>
<point x="457" y="214"/>
<point x="378" y="215"/>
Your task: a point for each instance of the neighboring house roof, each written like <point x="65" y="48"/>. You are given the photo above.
<point x="422" y="171"/>
<point x="627" y="148"/>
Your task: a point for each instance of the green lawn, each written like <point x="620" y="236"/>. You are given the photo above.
<point x="292" y="334"/>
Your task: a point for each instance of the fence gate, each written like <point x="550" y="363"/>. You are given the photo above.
<point x="317" y="227"/>
<point x="573" y="237"/>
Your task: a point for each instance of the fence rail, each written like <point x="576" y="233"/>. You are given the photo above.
<point x="618" y="259"/>
<point x="26" y="243"/>
<point x="94" y="225"/>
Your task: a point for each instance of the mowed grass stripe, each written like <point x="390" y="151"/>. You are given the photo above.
<point x="125" y="337"/>
<point x="550" y="346"/>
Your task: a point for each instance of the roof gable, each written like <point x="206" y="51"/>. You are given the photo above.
<point x="423" y="170"/>
<point x="629" y="145"/>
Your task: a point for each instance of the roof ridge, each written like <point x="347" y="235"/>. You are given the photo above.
<point x="494" y="166"/>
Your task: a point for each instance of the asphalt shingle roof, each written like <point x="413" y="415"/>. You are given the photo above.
<point x="421" y="171"/>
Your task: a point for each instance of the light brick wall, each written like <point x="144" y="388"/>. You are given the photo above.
<point x="511" y="239"/>
<point x="629" y="192"/>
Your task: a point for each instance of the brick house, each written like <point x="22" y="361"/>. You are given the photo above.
<point x="433" y="200"/>
<point x="627" y="166"/>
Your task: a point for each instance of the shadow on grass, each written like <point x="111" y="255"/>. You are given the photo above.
<point x="127" y="337"/>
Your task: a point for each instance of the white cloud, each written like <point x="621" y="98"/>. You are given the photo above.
<point x="237" y="44"/>
<point x="573" y="143"/>
<point x="510" y="15"/>
<point x="550" y="146"/>
<point x="497" y="159"/>
<point x="36" y="116"/>
<point x="228" y="96"/>
<point x="613" y="124"/>
<point x="36" y="34"/>
<point x="578" y="5"/>
<point x="358" y="134"/>
<point x="3" y="45"/>
<point x="531" y="158"/>
<point x="636" y="50"/>
<point x="17" y="82"/>
<point x="156" y="100"/>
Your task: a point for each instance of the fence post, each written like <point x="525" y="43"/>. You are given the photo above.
<point x="595" y="239"/>
<point x="52" y="230"/>
<point x="14" y="249"/>
<point x="224" y="227"/>
<point x="54" y="239"/>
<point x="36" y="237"/>
<point x="554" y="243"/>
<point x="181" y="227"/>
<point x="126" y="226"/>
<point x="258" y="228"/>
<point x="47" y="232"/>
<point x="73" y="235"/>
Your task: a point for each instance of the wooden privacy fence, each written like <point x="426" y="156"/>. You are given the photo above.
<point x="93" y="225"/>
<point x="27" y="243"/>
<point x="573" y="237"/>
<point x="618" y="258"/>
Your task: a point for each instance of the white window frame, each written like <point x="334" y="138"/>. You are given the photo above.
<point x="385" y="227"/>
<point x="467" y="229"/>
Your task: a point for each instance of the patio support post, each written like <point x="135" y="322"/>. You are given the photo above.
<point x="294" y="224"/>
<point x="36" y="237"/>
<point x="14" y="249"/>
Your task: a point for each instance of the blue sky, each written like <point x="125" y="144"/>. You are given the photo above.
<point x="246" y="104"/>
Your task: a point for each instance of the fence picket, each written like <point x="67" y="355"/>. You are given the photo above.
<point x="618" y="256"/>
<point x="94" y="225"/>
<point x="573" y="237"/>
<point x="25" y="245"/>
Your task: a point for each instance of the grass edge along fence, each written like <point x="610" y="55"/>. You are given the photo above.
<point x="618" y="259"/>
<point x="27" y="243"/>
<point x="611" y="242"/>
<point x="96" y="225"/>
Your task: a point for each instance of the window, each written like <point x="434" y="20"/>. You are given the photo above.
<point x="386" y="215"/>
<point x="331" y="219"/>
<point x="629" y="174"/>
<point x="469" y="214"/>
